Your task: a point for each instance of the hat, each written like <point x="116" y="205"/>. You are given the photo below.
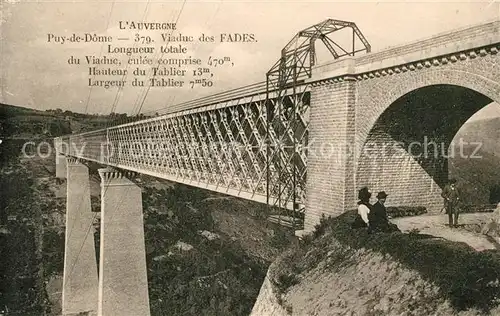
<point x="364" y="194"/>
<point x="382" y="195"/>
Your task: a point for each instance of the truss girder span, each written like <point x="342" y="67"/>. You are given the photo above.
<point x="220" y="147"/>
<point x="249" y="142"/>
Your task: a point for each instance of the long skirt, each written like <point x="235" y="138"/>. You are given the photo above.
<point x="358" y="222"/>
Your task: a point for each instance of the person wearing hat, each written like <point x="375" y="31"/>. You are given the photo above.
<point x="378" y="215"/>
<point x="451" y="197"/>
<point x="364" y="209"/>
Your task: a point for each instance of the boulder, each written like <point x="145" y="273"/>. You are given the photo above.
<point x="492" y="228"/>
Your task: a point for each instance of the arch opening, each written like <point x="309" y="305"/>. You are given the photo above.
<point x="408" y="150"/>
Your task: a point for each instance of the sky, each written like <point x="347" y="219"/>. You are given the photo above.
<point x="36" y="74"/>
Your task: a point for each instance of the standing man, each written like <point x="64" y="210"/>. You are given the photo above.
<point x="451" y="198"/>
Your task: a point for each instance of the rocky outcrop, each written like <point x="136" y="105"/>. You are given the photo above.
<point x="346" y="272"/>
<point x="363" y="282"/>
<point x="492" y="228"/>
<point x="267" y="303"/>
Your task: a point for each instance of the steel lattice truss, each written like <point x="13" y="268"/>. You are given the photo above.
<point x="221" y="147"/>
<point x="289" y="109"/>
<point x="250" y="143"/>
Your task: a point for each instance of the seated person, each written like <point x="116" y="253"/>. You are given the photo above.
<point x="364" y="207"/>
<point x="378" y="218"/>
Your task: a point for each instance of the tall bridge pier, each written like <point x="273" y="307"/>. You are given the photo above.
<point x="120" y="285"/>
<point x="79" y="293"/>
<point x="61" y="165"/>
<point x="123" y="281"/>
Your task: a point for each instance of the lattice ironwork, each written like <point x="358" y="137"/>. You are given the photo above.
<point x="221" y="147"/>
<point x="249" y="142"/>
<point x="288" y="103"/>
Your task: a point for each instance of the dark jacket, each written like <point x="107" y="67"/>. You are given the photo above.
<point x="450" y="195"/>
<point x="379" y="222"/>
<point x="378" y="214"/>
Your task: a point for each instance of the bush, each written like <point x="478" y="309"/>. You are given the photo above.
<point x="320" y="229"/>
<point x="53" y="253"/>
<point x="477" y="208"/>
<point x="286" y="281"/>
<point x="402" y="211"/>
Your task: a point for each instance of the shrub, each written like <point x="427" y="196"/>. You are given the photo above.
<point x="286" y="281"/>
<point x="320" y="229"/>
<point x="402" y="211"/>
<point x="464" y="208"/>
<point x="216" y="277"/>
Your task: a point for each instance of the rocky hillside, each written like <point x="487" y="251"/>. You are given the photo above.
<point x="31" y="233"/>
<point x="478" y="171"/>
<point x="340" y="271"/>
<point x="211" y="250"/>
<point x="477" y="178"/>
<point x="21" y="122"/>
<point x="486" y="131"/>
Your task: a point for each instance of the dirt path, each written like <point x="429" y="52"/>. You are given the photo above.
<point x="436" y="225"/>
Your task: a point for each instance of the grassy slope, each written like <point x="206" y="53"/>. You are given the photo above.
<point x="464" y="278"/>
<point x="476" y="177"/>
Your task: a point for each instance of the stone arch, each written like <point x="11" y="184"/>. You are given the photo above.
<point x="414" y="81"/>
<point x="426" y="177"/>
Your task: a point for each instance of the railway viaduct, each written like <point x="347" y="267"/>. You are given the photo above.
<point x="303" y="142"/>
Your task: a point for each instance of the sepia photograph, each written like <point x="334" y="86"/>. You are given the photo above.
<point x="249" y="158"/>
